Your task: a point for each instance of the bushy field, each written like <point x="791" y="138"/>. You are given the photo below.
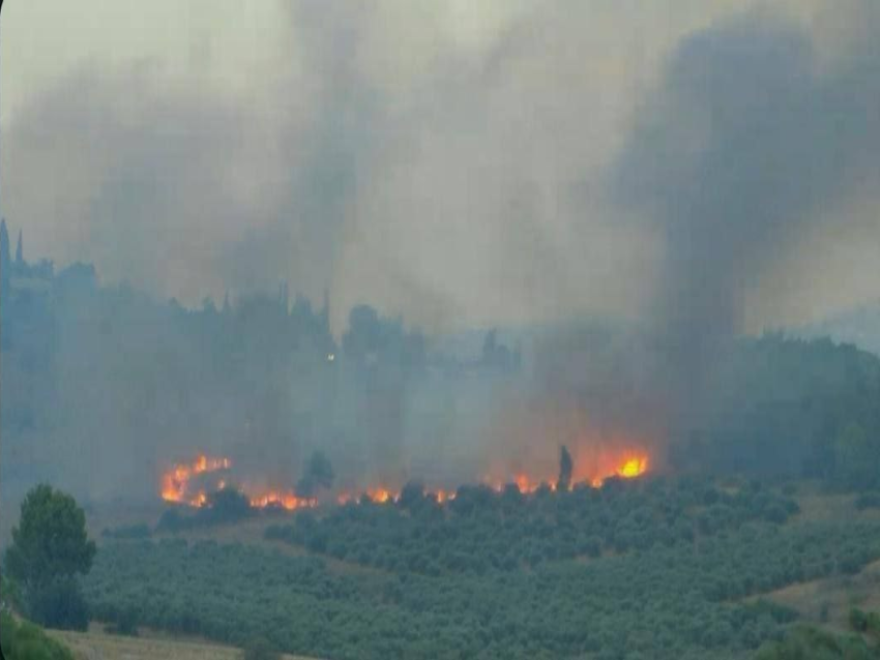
<point x="673" y="595"/>
<point x="481" y="530"/>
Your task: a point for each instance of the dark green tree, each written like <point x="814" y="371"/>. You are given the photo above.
<point x="50" y="540"/>
<point x="857" y="458"/>
<point x="226" y="506"/>
<point x="318" y="474"/>
<point x="50" y="547"/>
<point x="566" y="466"/>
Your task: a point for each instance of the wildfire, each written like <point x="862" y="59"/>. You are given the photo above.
<point x="443" y="496"/>
<point x="382" y="495"/>
<point x="594" y="472"/>
<point x="633" y="467"/>
<point x="176" y="483"/>
<point x="288" y="501"/>
<point x="176" y="486"/>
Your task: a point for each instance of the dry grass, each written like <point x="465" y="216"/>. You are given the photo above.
<point x="100" y="646"/>
<point x="828" y="601"/>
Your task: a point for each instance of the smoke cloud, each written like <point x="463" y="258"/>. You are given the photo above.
<point x="570" y="161"/>
<point x="749" y="146"/>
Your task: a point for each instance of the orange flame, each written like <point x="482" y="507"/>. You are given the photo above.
<point x="382" y="495"/>
<point x="630" y="466"/>
<point x="626" y="465"/>
<point x="175" y="482"/>
<point x="594" y="472"/>
<point x="288" y="501"/>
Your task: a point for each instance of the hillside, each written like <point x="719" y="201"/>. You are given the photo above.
<point x="592" y="574"/>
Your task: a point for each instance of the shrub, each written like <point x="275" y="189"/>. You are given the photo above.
<point x="27" y="642"/>
<point x="858" y="620"/>
<point x="58" y="604"/>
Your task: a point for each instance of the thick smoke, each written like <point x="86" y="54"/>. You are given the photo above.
<point x="465" y="188"/>
<point x="381" y="158"/>
<point x="748" y="146"/>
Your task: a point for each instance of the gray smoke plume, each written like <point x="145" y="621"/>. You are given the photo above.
<point x="461" y="189"/>
<point x="749" y="144"/>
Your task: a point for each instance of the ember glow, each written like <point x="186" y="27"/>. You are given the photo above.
<point x="382" y="495"/>
<point x="288" y="501"/>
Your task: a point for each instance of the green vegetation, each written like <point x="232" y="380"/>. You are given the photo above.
<point x="782" y="407"/>
<point x="25" y="641"/>
<point x="140" y="531"/>
<point x="808" y="643"/>
<point x="318" y="474"/>
<point x="868" y="501"/>
<point x="50" y="548"/>
<point x="223" y="507"/>
<point x="481" y="530"/>
<point x="661" y="595"/>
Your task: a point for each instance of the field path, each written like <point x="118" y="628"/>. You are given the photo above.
<point x="100" y="646"/>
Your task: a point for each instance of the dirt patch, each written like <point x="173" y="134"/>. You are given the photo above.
<point x="100" y="646"/>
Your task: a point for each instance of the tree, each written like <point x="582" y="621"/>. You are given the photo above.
<point x="225" y="506"/>
<point x="566" y="466"/>
<point x="50" y="541"/>
<point x="50" y="547"/>
<point x="364" y="335"/>
<point x="59" y="604"/>
<point x="5" y="257"/>
<point x="412" y="495"/>
<point x="19" y="251"/>
<point x="857" y="458"/>
<point x="318" y="474"/>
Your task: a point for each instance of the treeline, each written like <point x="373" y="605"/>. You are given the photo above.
<point x="481" y="530"/>
<point x="109" y="381"/>
<point x="777" y="406"/>
<point x="105" y="380"/>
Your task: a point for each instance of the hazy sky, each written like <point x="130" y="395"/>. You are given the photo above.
<point x="445" y="160"/>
